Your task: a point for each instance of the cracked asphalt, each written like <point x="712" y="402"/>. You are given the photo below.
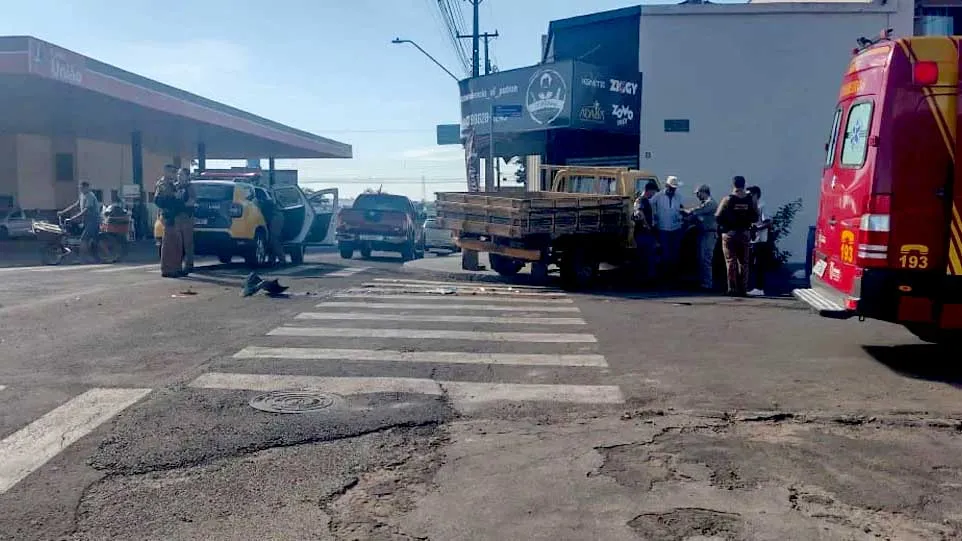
<point x="738" y="419"/>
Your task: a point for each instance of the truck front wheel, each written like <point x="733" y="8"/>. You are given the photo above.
<point x="505" y="266"/>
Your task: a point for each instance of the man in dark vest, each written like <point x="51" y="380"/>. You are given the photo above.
<point x="736" y="214"/>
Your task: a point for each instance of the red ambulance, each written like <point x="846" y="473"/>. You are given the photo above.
<point x="888" y="241"/>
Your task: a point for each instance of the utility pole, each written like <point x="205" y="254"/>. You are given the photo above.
<point x="475" y="36"/>
<point x="487" y="58"/>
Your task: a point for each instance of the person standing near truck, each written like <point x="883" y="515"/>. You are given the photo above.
<point x="645" y="232"/>
<point x="761" y="249"/>
<point x="736" y="216"/>
<point x="704" y="216"/>
<point x="669" y="224"/>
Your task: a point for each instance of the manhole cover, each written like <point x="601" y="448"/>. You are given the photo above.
<point x="294" y="401"/>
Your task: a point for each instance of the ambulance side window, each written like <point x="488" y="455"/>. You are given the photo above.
<point x="833" y="140"/>
<point x="855" y="144"/>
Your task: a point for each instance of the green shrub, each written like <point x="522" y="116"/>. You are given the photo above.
<point x="781" y="227"/>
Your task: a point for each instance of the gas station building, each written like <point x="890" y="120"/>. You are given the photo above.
<point x="67" y="118"/>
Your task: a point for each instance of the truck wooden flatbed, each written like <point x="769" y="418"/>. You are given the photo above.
<point x="572" y="230"/>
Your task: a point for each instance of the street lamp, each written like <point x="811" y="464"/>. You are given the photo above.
<point x="425" y="53"/>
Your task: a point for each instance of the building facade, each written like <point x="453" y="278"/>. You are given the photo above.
<point x="728" y="89"/>
<point x="40" y="172"/>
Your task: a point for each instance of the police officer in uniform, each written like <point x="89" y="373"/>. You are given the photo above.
<point x="736" y="215"/>
<point x="184" y="221"/>
<point x="170" y="205"/>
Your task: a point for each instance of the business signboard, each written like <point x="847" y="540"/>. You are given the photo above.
<point x="542" y="93"/>
<point x="566" y="94"/>
<point x="605" y="100"/>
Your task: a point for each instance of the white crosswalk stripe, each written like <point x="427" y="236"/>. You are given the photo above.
<point x="494" y="344"/>
<point x="446" y="290"/>
<point x="457" y="357"/>
<point x="29" y="448"/>
<point x="404" y="307"/>
<point x="361" y="316"/>
<point x="348" y="271"/>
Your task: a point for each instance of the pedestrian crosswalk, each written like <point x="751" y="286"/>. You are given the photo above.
<point x="536" y="351"/>
<point x="35" y="444"/>
<point x="480" y="347"/>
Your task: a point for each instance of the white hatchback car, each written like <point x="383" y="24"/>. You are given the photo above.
<point x="436" y="238"/>
<point x="15" y="224"/>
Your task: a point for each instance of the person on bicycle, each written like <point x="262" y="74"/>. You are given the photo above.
<point x="89" y="217"/>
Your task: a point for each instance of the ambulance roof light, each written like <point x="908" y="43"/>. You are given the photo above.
<point x="925" y="73"/>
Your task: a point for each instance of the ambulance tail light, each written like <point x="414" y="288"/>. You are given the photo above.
<point x="925" y="73"/>
<point x="873" y="235"/>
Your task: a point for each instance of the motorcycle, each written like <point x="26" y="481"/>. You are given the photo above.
<point x="63" y="240"/>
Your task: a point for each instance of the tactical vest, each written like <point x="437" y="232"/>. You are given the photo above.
<point x="739" y="214"/>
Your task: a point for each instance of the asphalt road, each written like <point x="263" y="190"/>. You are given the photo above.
<point x="446" y="410"/>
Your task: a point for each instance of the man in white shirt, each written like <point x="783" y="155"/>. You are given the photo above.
<point x="669" y="224"/>
<point x="761" y="249"/>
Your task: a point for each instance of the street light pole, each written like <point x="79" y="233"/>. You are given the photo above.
<point x="425" y="53"/>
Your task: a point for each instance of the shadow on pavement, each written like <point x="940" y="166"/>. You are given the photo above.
<point x="928" y="362"/>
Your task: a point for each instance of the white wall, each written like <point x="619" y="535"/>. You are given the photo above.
<point x="758" y="83"/>
<point x="35" y="184"/>
<point x="8" y="166"/>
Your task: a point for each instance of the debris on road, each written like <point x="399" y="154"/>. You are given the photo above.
<point x="255" y="283"/>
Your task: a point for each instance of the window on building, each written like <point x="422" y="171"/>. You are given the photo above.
<point x="855" y="144"/>
<point x="833" y="138"/>
<point x="934" y="20"/>
<point x="63" y="167"/>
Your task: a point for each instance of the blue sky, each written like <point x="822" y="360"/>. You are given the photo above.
<point x="325" y="66"/>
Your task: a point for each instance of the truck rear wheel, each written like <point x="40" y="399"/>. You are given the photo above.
<point x="934" y="335"/>
<point x="578" y="269"/>
<point x="346" y="250"/>
<point x="504" y="265"/>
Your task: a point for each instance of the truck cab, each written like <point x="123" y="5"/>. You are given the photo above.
<point x="888" y="240"/>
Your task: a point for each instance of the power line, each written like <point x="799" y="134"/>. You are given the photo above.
<point x="451" y="26"/>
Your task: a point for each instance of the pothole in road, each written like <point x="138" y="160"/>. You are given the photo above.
<point x="295" y="401"/>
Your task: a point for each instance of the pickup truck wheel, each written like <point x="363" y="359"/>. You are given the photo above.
<point x="943" y="337"/>
<point x="366" y="252"/>
<point x="407" y="251"/>
<point x="505" y="266"/>
<point x="578" y="269"/>
<point x="346" y="253"/>
<point x="225" y="258"/>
